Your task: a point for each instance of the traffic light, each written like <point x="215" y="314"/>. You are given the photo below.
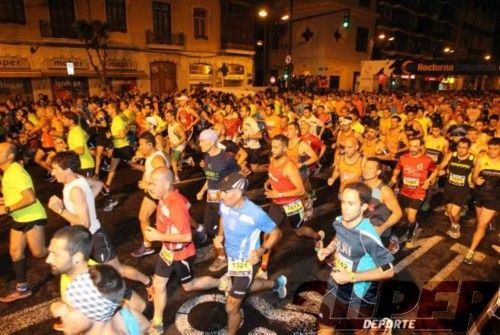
<point x="287" y="74"/>
<point x="347" y="19"/>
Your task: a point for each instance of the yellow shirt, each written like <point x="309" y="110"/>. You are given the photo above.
<point x="358" y="127"/>
<point x="66" y="280"/>
<point x="426" y="123"/>
<point x="118" y="125"/>
<point x="16" y="180"/>
<point x="77" y="138"/>
<point x="385" y="125"/>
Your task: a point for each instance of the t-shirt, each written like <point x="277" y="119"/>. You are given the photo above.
<point x="358" y="250"/>
<point x="118" y="125"/>
<point x="250" y="128"/>
<point x="218" y="167"/>
<point x="414" y="172"/>
<point x="66" y="280"/>
<point x="242" y="228"/>
<point x="172" y="216"/>
<point x="272" y="125"/>
<point x="15" y="180"/>
<point x="77" y="138"/>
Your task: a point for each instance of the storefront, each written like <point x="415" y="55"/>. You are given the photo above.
<point x="235" y="75"/>
<point x="15" y="78"/>
<point x="122" y="74"/>
<point x="65" y="86"/>
<point x="200" y="74"/>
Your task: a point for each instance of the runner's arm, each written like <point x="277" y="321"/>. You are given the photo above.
<point x="389" y="199"/>
<point x="28" y="198"/>
<point x="293" y="174"/>
<point x="82" y="216"/>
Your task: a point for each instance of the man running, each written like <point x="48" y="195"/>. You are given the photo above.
<point x="153" y="159"/>
<point x="28" y="219"/>
<point x="347" y="165"/>
<point x="416" y="169"/>
<point x="361" y="261"/>
<point x="177" y="140"/>
<point x="177" y="254"/>
<point x="240" y="227"/>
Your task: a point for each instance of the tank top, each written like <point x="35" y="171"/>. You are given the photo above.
<point x="378" y="213"/>
<point x="185" y="118"/>
<point x="459" y="170"/>
<point x="280" y="183"/>
<point x="148" y="166"/>
<point x="89" y="197"/>
<point x="434" y="147"/>
<point x="490" y="171"/>
<point x="174" y="138"/>
<point x="349" y="172"/>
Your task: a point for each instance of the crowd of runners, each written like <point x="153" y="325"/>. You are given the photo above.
<point x="387" y="154"/>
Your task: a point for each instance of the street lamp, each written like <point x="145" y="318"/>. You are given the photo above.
<point x="446" y="50"/>
<point x="487" y="57"/>
<point x="285" y="17"/>
<point x="263" y="13"/>
<point x="260" y="43"/>
<point x="391" y="38"/>
<point x="381" y="36"/>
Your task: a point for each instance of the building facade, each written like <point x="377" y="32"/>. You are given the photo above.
<point x="154" y="45"/>
<point x="321" y="45"/>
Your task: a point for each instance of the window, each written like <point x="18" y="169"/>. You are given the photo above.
<point x="200" y="23"/>
<point x="116" y="15"/>
<point x="362" y="39"/>
<point x="365" y="3"/>
<point x="12" y="11"/>
<point x="161" y="22"/>
<point x="62" y="18"/>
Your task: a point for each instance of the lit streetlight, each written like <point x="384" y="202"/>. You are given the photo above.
<point x="263" y="13"/>
<point x="446" y="49"/>
<point x="487" y="57"/>
<point x="260" y="43"/>
<point x="381" y="36"/>
<point x="285" y="17"/>
<point x="391" y="38"/>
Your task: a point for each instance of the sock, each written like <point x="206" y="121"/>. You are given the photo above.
<point x="20" y="269"/>
<point x="157" y="320"/>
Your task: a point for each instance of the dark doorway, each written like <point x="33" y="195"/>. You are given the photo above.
<point x="163" y="77"/>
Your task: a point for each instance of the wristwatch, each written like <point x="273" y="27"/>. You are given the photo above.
<point x="7" y="209"/>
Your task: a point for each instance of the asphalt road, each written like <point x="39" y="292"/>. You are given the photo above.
<point x="435" y="265"/>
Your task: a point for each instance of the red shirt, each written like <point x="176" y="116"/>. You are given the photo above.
<point x="314" y="142"/>
<point x="279" y="182"/>
<point x="172" y="217"/>
<point x="414" y="172"/>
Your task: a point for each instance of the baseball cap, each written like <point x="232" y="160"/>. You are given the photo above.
<point x="208" y="135"/>
<point x="234" y="181"/>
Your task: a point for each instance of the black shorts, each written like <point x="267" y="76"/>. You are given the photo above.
<point x="102" y="140"/>
<point x="183" y="269"/>
<point x="278" y="215"/>
<point x="87" y="173"/>
<point x="241" y="285"/>
<point x="335" y="312"/>
<point x="253" y="156"/>
<point x="487" y="202"/>
<point x="407" y="202"/>
<point x="124" y="153"/>
<point x="211" y="218"/>
<point x="455" y="195"/>
<point x="27" y="226"/>
<point x="102" y="248"/>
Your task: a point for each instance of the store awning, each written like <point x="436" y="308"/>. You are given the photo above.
<point x="20" y="74"/>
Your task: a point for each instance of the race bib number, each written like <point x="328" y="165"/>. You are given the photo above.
<point x="214" y="196"/>
<point x="293" y="208"/>
<point x="343" y="263"/>
<point x="457" y="180"/>
<point x="167" y="255"/>
<point x="239" y="268"/>
<point x="411" y="182"/>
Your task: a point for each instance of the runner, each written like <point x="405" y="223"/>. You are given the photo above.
<point x="416" y="170"/>
<point x="78" y="208"/>
<point x="396" y="140"/>
<point x="240" y="227"/>
<point x="251" y="135"/>
<point x="457" y="190"/>
<point x="486" y="177"/>
<point x="77" y="142"/>
<point x="218" y="164"/>
<point x="153" y="159"/>
<point x="348" y="165"/>
<point x="28" y="219"/>
<point x="361" y="261"/>
<point x="177" y="139"/>
<point x="178" y="251"/>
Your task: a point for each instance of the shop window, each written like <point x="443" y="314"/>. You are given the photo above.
<point x="200" y="23"/>
<point x="62" y="18"/>
<point x="12" y="11"/>
<point x="362" y="39"/>
<point x="116" y="15"/>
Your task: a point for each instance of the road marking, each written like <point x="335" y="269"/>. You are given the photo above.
<point x="27" y="317"/>
<point x="423" y="245"/>
<point x="445" y="272"/>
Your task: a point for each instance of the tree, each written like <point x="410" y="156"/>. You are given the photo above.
<point x="95" y="36"/>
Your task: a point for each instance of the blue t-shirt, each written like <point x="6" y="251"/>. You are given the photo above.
<point x="242" y="228"/>
<point x="358" y="249"/>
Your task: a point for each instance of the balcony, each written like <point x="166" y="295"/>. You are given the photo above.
<point x="168" y="40"/>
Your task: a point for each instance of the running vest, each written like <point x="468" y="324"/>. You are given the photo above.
<point x="410" y="131"/>
<point x="280" y="183"/>
<point x="490" y="171"/>
<point x="349" y="172"/>
<point x="174" y="138"/>
<point x="459" y="170"/>
<point x="89" y="197"/>
<point x="378" y="213"/>
<point x="148" y="166"/>
<point x="434" y="147"/>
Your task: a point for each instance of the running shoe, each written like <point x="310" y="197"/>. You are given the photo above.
<point x="454" y="231"/>
<point x="200" y="237"/>
<point x="104" y="191"/>
<point x="156" y="329"/>
<point x="469" y="257"/>
<point x="280" y="286"/>
<point x="219" y="264"/>
<point x="110" y="205"/>
<point x="142" y="251"/>
<point x="16" y="294"/>
<point x="319" y="243"/>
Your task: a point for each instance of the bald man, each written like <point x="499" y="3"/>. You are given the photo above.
<point x="348" y="166"/>
<point x="177" y="253"/>
<point x="28" y="219"/>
